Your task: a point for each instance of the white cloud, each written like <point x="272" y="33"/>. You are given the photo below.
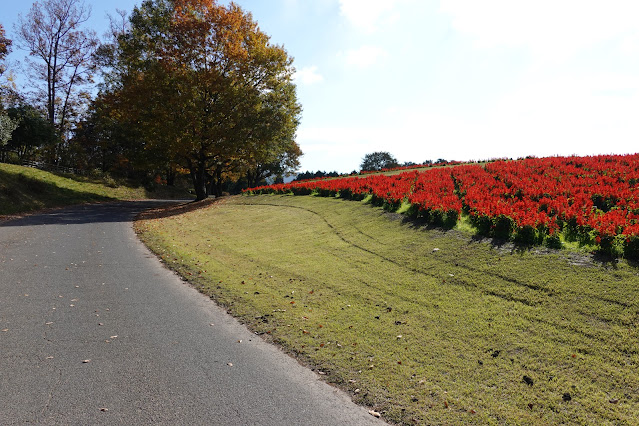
<point x="367" y="15"/>
<point x="308" y="75"/>
<point x="550" y="28"/>
<point x="365" y="56"/>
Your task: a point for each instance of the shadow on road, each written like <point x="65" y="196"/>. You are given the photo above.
<point x="177" y="209"/>
<point x="123" y="211"/>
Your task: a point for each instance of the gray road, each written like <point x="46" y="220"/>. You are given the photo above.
<point x="93" y="330"/>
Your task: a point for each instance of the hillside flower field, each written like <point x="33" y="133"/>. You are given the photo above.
<point x="593" y="201"/>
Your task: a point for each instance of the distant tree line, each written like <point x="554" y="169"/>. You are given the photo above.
<point x="187" y="89"/>
<point x="315" y="175"/>
<point x="381" y="160"/>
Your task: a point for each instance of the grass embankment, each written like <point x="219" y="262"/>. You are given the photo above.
<point x="24" y="189"/>
<point x="425" y="326"/>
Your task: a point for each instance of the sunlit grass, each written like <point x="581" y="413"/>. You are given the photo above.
<point x="24" y="189"/>
<point x="424" y="325"/>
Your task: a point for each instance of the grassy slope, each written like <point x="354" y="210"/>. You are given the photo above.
<point x="24" y="189"/>
<point x="422" y="335"/>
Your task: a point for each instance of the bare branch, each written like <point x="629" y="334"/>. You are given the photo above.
<point x="52" y="33"/>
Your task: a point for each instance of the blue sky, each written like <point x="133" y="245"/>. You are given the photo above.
<point x="452" y="79"/>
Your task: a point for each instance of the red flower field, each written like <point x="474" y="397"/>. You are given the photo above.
<point x="592" y="200"/>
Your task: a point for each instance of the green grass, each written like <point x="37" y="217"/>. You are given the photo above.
<point x="423" y="325"/>
<point x="24" y="189"/>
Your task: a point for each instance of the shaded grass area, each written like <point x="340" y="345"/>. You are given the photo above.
<point x="24" y="189"/>
<point x="424" y="325"/>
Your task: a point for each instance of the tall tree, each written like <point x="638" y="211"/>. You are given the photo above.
<point x="52" y="33"/>
<point x="205" y="87"/>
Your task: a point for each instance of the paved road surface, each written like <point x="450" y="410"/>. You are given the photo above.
<point x="93" y="330"/>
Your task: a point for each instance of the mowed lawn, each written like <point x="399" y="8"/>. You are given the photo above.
<point x="422" y="325"/>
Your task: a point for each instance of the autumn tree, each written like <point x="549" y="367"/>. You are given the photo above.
<point x="7" y="125"/>
<point x="52" y="33"/>
<point x="377" y="161"/>
<point x="112" y="145"/>
<point x="205" y="87"/>
<point x="5" y="49"/>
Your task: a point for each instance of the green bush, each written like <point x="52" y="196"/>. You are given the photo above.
<point x="631" y="247"/>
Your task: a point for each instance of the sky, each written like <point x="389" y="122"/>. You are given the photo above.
<point x="448" y="79"/>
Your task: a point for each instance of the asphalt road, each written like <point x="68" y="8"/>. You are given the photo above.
<point x="94" y="330"/>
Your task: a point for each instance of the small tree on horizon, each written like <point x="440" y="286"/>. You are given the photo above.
<point x="378" y="160"/>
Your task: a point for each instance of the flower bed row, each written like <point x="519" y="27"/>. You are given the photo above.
<point x="593" y="200"/>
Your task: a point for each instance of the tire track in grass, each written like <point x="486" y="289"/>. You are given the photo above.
<point x="421" y="271"/>
<point x="548" y="296"/>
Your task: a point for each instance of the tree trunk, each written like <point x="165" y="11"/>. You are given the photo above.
<point x="170" y="176"/>
<point x="251" y="179"/>
<point x="198" y="176"/>
<point x="216" y="181"/>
